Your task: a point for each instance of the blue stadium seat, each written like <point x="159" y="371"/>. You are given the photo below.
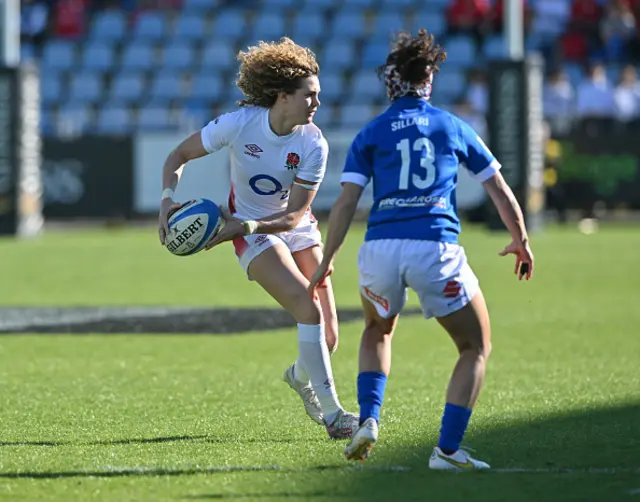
<point x="494" y="48"/>
<point x="152" y="119"/>
<point x="207" y="87"/>
<point x="366" y="87"/>
<point x="199" y="5"/>
<point x="403" y="4"/>
<point x="461" y="51"/>
<point x="233" y="94"/>
<point x="138" y="57"/>
<point x="374" y="54"/>
<point x="85" y="87"/>
<point x="339" y="54"/>
<point x="73" y="119"/>
<point x="574" y="73"/>
<point x="308" y="24"/>
<point x="166" y="86"/>
<point x="331" y="88"/>
<point x="279" y="3"/>
<point x="350" y="24"/>
<point x="387" y="24"/>
<point x="448" y="85"/>
<point x="178" y="55"/>
<point x="27" y="52"/>
<point x="359" y="3"/>
<point x="190" y="27"/>
<point x="51" y="88"/>
<point x="59" y="55"/>
<point x="150" y="26"/>
<point x="229" y="24"/>
<point x="109" y="25"/>
<point x="127" y="87"/>
<point x="114" y="121"/>
<point x="269" y="26"/>
<point x="433" y="22"/>
<point x="193" y="118"/>
<point x="323" y="118"/>
<point x="321" y="4"/>
<point x="98" y="56"/>
<point x="355" y="116"/>
<point x="219" y="55"/>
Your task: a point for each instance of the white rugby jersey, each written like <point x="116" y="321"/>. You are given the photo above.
<point x="263" y="164"/>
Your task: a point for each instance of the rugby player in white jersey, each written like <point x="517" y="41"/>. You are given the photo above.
<point x="278" y="159"/>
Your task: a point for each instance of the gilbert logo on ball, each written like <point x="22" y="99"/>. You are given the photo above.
<point x="192" y="225"/>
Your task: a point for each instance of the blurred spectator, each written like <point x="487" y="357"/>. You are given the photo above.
<point x="468" y="17"/>
<point x="585" y="15"/>
<point x="465" y="111"/>
<point x="477" y="92"/>
<point x="574" y="46"/>
<point x="70" y="18"/>
<point x="34" y="21"/>
<point x="627" y="95"/>
<point x="559" y="102"/>
<point x="594" y="95"/>
<point x="617" y="29"/>
<point x="496" y="15"/>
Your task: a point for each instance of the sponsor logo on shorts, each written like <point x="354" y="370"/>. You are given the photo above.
<point x="452" y="289"/>
<point x="261" y="239"/>
<point x="415" y="201"/>
<point x="252" y="150"/>
<point x="377" y="298"/>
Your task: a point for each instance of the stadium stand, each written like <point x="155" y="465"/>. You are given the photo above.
<point x="116" y="67"/>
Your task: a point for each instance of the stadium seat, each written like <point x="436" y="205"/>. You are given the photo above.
<point x="494" y="48"/>
<point x="27" y="52"/>
<point x="114" y="121"/>
<point x="166" y="86"/>
<point x="279" y="3"/>
<point x="207" y="87"/>
<point x="178" y="55"/>
<point x="332" y="88"/>
<point x="150" y="26"/>
<point x="355" y="116"/>
<point x="73" y="119"/>
<point x="374" y="54"/>
<point x="433" y="22"/>
<point x="51" y="87"/>
<point x="200" y="6"/>
<point x="230" y="24"/>
<point x="461" y="51"/>
<point x="151" y="119"/>
<point x="402" y="4"/>
<point x="448" y="85"/>
<point x="85" y="87"/>
<point x="386" y="24"/>
<point x="218" y="55"/>
<point x="190" y="27"/>
<point x="59" y="55"/>
<point x="308" y="24"/>
<point x="109" y="25"/>
<point x="127" y="87"/>
<point x="366" y="87"/>
<point x="138" y="57"/>
<point x="339" y="54"/>
<point x="360" y="4"/>
<point x="98" y="56"/>
<point x="350" y="24"/>
<point x="268" y="26"/>
<point x="574" y="73"/>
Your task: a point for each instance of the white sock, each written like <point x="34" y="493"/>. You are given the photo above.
<point x="300" y="374"/>
<point x="315" y="360"/>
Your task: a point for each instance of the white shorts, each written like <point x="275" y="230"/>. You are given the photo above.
<point x="438" y="272"/>
<point x="247" y="248"/>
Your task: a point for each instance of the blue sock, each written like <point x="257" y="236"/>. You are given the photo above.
<point x="371" y="385"/>
<point x="454" y="424"/>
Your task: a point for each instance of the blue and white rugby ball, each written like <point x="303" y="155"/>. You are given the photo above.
<point x="192" y="226"/>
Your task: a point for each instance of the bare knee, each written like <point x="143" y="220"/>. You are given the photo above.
<point x="480" y="349"/>
<point x="378" y="329"/>
<point x="306" y="310"/>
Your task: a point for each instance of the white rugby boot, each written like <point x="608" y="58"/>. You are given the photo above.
<point x="457" y="461"/>
<point x="344" y="425"/>
<point x="362" y="442"/>
<point x="306" y="393"/>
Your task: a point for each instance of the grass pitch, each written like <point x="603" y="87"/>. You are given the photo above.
<point x="192" y="417"/>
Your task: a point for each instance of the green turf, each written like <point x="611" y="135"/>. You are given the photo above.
<point x="181" y="417"/>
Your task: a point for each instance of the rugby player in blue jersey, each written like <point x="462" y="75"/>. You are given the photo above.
<point x="412" y="153"/>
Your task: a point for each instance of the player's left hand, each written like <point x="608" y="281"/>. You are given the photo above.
<point x="319" y="277"/>
<point x="231" y="229"/>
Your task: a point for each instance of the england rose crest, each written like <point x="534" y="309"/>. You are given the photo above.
<point x="293" y="159"/>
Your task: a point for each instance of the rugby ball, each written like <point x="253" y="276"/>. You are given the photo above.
<point x="192" y="225"/>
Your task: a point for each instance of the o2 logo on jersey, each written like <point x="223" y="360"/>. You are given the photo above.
<point x="263" y="184"/>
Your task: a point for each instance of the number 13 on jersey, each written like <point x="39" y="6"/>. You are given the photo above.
<point x="427" y="177"/>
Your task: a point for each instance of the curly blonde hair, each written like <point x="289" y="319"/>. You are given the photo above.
<point x="273" y="67"/>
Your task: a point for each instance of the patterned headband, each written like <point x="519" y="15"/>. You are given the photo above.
<point x="396" y="87"/>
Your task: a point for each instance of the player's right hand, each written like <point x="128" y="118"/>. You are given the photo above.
<point x="524" y="258"/>
<point x="166" y="207"/>
<point x="319" y="278"/>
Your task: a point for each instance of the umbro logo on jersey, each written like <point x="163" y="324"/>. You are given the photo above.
<point x="252" y="150"/>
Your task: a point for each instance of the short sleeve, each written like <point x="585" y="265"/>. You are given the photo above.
<point x="220" y="132"/>
<point x="357" y="168"/>
<point x="315" y="165"/>
<point x="475" y="155"/>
